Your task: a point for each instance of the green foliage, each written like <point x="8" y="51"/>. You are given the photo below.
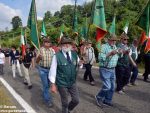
<point x="47" y="16"/>
<point x="9" y="42"/>
<point x="56" y="14"/>
<point x="16" y="22"/>
<point x="123" y="9"/>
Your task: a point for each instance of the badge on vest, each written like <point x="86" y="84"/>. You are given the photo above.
<point x="64" y="64"/>
<point x="74" y="62"/>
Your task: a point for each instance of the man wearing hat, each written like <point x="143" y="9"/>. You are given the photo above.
<point x="108" y="58"/>
<point x="27" y="62"/>
<point x="89" y="59"/>
<point x="63" y="73"/>
<point x="123" y="67"/>
<point x="43" y="60"/>
<point x="2" y="62"/>
<point x="133" y="67"/>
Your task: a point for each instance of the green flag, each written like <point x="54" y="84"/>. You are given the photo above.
<point x="144" y="19"/>
<point x="84" y="30"/>
<point x="43" y="30"/>
<point x="75" y="20"/>
<point x="99" y="20"/>
<point x="62" y="27"/>
<point x="32" y="25"/>
<point x="99" y="15"/>
<point x="75" y="28"/>
<point x="144" y="23"/>
<point x="125" y="29"/>
<point x="112" y="29"/>
<point x="61" y="33"/>
<point x="82" y="34"/>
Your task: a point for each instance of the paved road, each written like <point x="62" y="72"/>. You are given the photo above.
<point x="136" y="99"/>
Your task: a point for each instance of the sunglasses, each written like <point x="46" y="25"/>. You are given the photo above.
<point x="125" y="39"/>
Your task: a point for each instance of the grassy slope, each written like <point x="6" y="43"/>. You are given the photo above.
<point x="5" y="100"/>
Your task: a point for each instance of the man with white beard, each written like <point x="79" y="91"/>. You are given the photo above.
<point x="63" y="72"/>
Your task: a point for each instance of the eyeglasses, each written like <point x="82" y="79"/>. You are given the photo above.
<point x="125" y="39"/>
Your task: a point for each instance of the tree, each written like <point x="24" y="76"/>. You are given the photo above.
<point x="66" y="10"/>
<point x="6" y="29"/>
<point x="57" y="13"/>
<point x="47" y="15"/>
<point x="16" y="22"/>
<point x="125" y="10"/>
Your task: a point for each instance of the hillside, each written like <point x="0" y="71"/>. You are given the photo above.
<point x="125" y="10"/>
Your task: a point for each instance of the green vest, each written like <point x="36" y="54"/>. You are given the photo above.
<point x="123" y="60"/>
<point x="66" y="72"/>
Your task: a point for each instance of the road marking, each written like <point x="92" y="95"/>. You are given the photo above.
<point x="95" y="67"/>
<point x="20" y="100"/>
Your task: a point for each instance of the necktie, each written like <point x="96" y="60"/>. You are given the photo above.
<point x="68" y="58"/>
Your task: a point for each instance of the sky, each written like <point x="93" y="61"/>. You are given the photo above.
<point x="11" y="8"/>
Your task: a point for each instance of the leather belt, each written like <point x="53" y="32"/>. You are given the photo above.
<point x="44" y="67"/>
<point x="108" y="67"/>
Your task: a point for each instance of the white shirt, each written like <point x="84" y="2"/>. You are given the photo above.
<point x="53" y="67"/>
<point x="136" y="52"/>
<point x="90" y="56"/>
<point x="2" y="58"/>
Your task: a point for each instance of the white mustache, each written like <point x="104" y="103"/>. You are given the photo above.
<point x="66" y="49"/>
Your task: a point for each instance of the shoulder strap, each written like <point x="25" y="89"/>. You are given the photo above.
<point x="92" y="49"/>
<point x="92" y="54"/>
<point x="76" y="56"/>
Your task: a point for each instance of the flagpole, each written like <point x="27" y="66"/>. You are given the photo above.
<point x="25" y="36"/>
<point x="74" y="14"/>
<point x="36" y="26"/>
<point x="86" y="24"/>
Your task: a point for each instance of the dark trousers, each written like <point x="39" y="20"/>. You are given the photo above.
<point x="73" y="91"/>
<point x="147" y="66"/>
<point x="88" y="72"/>
<point x="1" y="69"/>
<point x="122" y="76"/>
<point x="134" y="75"/>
